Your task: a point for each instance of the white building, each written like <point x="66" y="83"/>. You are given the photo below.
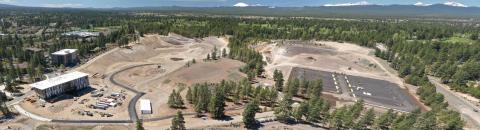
<point x="67" y="57"/>
<point x="145" y="106"/>
<point x="73" y="81"/>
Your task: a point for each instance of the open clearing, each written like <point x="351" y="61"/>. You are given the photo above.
<point x="166" y="54"/>
<point x="320" y="59"/>
<point x="213" y="71"/>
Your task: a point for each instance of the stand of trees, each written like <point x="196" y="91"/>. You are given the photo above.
<point x="175" y="100"/>
<point x="414" y="48"/>
<point x="211" y="97"/>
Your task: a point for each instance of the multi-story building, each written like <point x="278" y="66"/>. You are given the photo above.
<point x="55" y="86"/>
<point x="66" y="57"/>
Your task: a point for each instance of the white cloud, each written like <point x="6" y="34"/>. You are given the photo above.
<point x="6" y="1"/>
<point x="241" y="4"/>
<point x="453" y="3"/>
<point x="62" y="5"/>
<point x="421" y="4"/>
<point x="349" y="4"/>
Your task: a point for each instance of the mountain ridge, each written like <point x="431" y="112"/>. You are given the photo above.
<point x="435" y="10"/>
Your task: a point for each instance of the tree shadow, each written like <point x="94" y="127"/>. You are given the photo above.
<point x="257" y="126"/>
<point x="225" y="118"/>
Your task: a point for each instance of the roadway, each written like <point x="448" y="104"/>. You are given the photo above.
<point x="132" y="111"/>
<point x="464" y="107"/>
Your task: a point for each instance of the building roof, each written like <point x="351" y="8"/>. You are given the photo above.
<point x="65" y="51"/>
<point x="58" y="80"/>
<point x="145" y="105"/>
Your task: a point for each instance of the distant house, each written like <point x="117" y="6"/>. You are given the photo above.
<point x="66" y="57"/>
<point x="145" y="106"/>
<point x="73" y="81"/>
<point x="83" y="34"/>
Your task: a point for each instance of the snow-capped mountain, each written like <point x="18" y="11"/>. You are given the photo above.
<point x="421" y="4"/>
<point x="456" y="4"/>
<point x="241" y="4"/>
<point x="349" y="4"/>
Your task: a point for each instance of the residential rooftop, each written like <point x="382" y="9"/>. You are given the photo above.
<point x="58" y="80"/>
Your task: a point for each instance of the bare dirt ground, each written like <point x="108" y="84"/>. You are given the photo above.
<point x="167" y="53"/>
<point x="168" y="56"/>
<point x="209" y="72"/>
<point x="327" y="56"/>
<point x="159" y="89"/>
<point x="346" y="58"/>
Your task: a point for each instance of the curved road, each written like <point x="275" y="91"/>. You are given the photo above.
<point x="131" y="105"/>
<point x="132" y="111"/>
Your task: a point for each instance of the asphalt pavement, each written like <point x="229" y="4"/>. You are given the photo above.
<point x="456" y="102"/>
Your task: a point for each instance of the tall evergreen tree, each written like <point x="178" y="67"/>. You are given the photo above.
<point x="249" y="115"/>
<point x="139" y="125"/>
<point x="217" y="103"/>
<point x="178" y="122"/>
<point x="284" y="110"/>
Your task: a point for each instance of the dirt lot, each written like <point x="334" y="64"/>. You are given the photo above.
<point x="316" y="57"/>
<point x="327" y="56"/>
<point x="166" y="53"/>
<point x="159" y="89"/>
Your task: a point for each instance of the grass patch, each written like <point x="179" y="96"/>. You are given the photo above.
<point x="458" y="39"/>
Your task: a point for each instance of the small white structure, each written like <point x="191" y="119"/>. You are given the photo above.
<point x="145" y="106"/>
<point x="58" y="85"/>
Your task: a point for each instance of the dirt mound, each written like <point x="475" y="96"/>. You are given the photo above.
<point x="154" y="49"/>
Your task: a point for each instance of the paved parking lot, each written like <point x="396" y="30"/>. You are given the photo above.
<point x="381" y="93"/>
<point x="310" y="74"/>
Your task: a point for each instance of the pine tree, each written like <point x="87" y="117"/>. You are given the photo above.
<point x="3" y="106"/>
<point x="385" y="120"/>
<point x="139" y="125"/>
<point x="224" y="52"/>
<point x="189" y="95"/>
<point x="178" y="122"/>
<point x="278" y="77"/>
<point x="172" y="99"/>
<point x="284" y="110"/>
<point x="300" y="111"/>
<point x="366" y="120"/>
<point x="249" y="115"/>
<point x="178" y="100"/>
<point x="217" y="103"/>
<point x="316" y="89"/>
<point x="214" y="53"/>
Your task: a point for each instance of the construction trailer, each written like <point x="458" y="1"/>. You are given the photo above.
<point x="145" y="106"/>
<point x="55" y="86"/>
<point x="65" y="57"/>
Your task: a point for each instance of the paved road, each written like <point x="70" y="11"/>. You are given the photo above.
<point x="132" y="111"/>
<point x="456" y="102"/>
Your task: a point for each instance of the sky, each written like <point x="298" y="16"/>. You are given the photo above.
<point x="215" y="3"/>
